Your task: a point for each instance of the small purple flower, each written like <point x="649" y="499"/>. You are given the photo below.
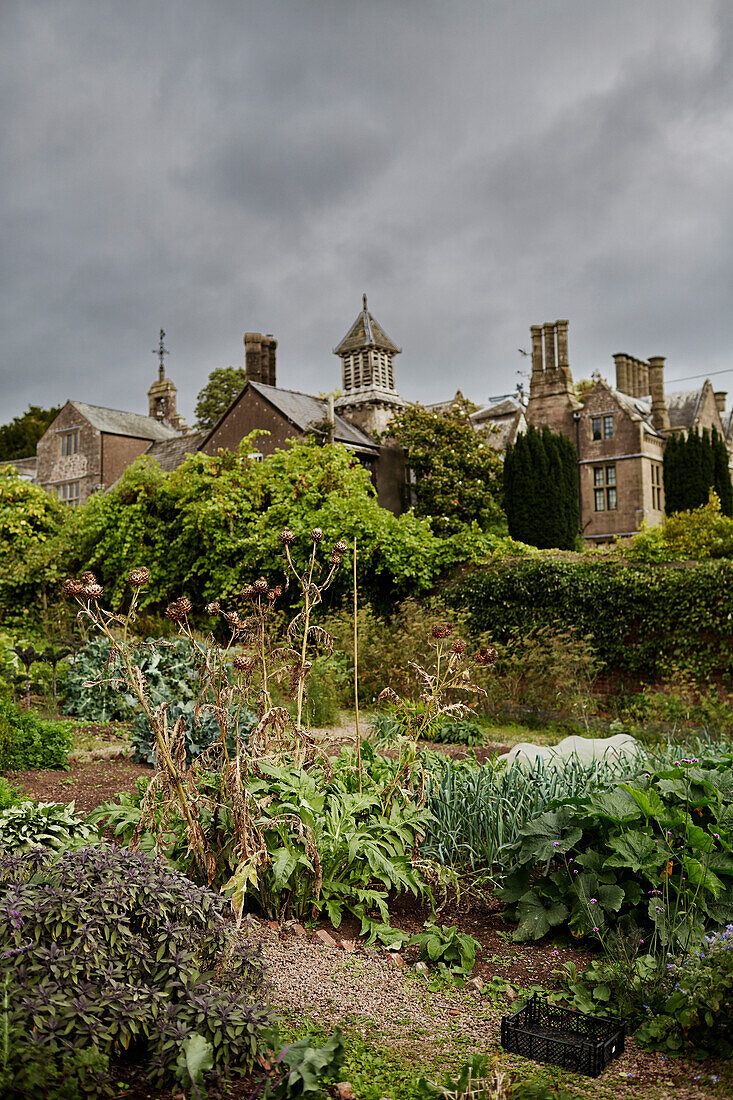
<point x="556" y="844"/>
<point x="594" y="901"/>
<point x="556" y="953"/>
<point x="595" y="929"/>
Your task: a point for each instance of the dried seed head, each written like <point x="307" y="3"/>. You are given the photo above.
<point x="212" y="608"/>
<point x="271" y="594"/>
<point x="486" y="655"/>
<point x="340" y="547"/>
<point x="316" y="534"/>
<point x="87" y="577"/>
<point x="260" y="586"/>
<point x="278" y="590"/>
<point x="138" y="577"/>
<point x="175" y="612"/>
<point x="231" y="617"/>
<point x="72" y="587"/>
<point x="441" y="630"/>
<point x="93" y="591"/>
<point x="458" y="647"/>
<point x="243" y="662"/>
<point x="185" y="604"/>
<point x="336" y="558"/>
<point x="287" y="536"/>
<point x="248" y="591"/>
<point x="388" y="695"/>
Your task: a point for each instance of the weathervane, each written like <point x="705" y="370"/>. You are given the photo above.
<point x="160" y="351"/>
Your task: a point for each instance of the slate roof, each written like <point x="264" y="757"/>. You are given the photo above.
<point x="24" y="467"/>
<point x="170" y="453"/>
<point x="304" y="411"/>
<point x="117" y="422"/>
<point x="365" y="332"/>
<point x="682" y="408"/>
<point x="500" y="423"/>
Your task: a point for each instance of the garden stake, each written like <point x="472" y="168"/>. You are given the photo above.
<point x="356" y="677"/>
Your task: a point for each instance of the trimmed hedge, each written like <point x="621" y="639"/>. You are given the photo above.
<point x="644" y="620"/>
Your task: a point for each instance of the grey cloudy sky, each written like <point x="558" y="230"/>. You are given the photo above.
<point x="475" y="166"/>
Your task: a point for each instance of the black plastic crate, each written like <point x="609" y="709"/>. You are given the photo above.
<point x="563" y="1037"/>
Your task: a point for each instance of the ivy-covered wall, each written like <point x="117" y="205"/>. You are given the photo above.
<point x="643" y="620"/>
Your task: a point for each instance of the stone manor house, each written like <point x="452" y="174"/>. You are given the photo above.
<point x="619" y="432"/>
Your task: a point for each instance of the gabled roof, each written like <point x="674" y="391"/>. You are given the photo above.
<point x="117" y="422"/>
<point x="305" y="411"/>
<point x="500" y="423"/>
<point x="365" y="333"/>
<point x="170" y="453"/>
<point x="683" y="408"/>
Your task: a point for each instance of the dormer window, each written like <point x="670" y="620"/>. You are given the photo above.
<point x="70" y="443"/>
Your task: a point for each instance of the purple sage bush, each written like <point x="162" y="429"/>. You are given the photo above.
<point x="112" y="955"/>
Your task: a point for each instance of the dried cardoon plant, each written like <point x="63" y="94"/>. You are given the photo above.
<point x="239" y="671"/>
<point x="449" y="674"/>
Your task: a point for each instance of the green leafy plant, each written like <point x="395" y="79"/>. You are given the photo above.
<point x="302" y="1069"/>
<point x="697" y="1013"/>
<point x="45" y="824"/>
<point x="160" y="965"/>
<point x="453" y="952"/>
<point x="30" y="742"/>
<point x="652" y="857"/>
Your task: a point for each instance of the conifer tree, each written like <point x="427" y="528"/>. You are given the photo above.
<point x="541" y="489"/>
<point x="692" y="467"/>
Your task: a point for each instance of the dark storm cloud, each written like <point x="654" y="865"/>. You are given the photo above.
<point x="475" y="167"/>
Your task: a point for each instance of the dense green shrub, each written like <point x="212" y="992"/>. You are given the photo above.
<point x="702" y="533"/>
<point x="160" y="974"/>
<point x="387" y="726"/>
<point x="214" y="523"/>
<point x="651" y="858"/>
<point x="30" y="742"/>
<point x="46" y="824"/>
<point x="640" y="619"/>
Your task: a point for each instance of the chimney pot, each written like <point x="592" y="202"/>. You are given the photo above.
<point x="536" y="331"/>
<point x="549" y="330"/>
<point x="720" y="396"/>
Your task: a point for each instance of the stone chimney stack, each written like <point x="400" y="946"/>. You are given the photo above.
<point x="551" y="396"/>
<point x="660" y="415"/>
<point x="536" y="331"/>
<point x="622" y="372"/>
<point x="549" y="345"/>
<point x="562" y="344"/>
<point x="643" y="378"/>
<point x="720" y="396"/>
<point x="259" y="358"/>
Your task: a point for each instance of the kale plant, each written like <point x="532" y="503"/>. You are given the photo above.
<point x="116" y="954"/>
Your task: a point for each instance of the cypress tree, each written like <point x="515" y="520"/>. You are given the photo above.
<point x="721" y="474"/>
<point x="694" y="466"/>
<point x="541" y="489"/>
<point x="670" y="475"/>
